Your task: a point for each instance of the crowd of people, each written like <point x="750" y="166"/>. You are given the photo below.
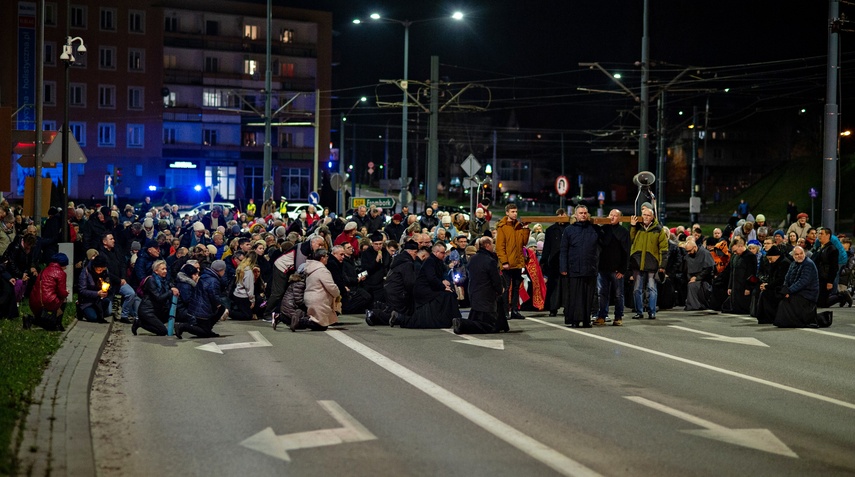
<point x="151" y="266"/>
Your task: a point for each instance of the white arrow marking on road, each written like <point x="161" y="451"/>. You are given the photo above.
<point x="759" y="439"/>
<point x="260" y="342"/>
<point x="726" y="339"/>
<point x="267" y="442"/>
<point x="471" y="340"/>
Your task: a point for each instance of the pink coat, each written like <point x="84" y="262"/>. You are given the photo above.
<point x="321" y="292"/>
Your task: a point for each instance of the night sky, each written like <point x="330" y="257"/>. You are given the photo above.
<point x="524" y="48"/>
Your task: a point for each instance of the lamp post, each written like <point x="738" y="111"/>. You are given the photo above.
<point x="842" y="134"/>
<point x="341" y="206"/>
<point x="405" y="108"/>
<point x="67" y="56"/>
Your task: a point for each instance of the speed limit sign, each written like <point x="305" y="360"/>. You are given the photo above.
<point x="562" y="185"/>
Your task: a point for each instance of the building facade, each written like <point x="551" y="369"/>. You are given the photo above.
<point x="170" y="94"/>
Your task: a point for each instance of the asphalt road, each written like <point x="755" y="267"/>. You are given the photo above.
<point x="672" y="397"/>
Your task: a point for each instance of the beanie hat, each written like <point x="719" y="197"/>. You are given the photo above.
<point x="773" y="252"/>
<point x="148" y="223"/>
<point x="198" y="226"/>
<point x="350" y="226"/>
<point x="60" y="258"/>
<point x="135" y="245"/>
<point x="218" y="265"/>
<point x="212" y="249"/>
<point x="99" y="261"/>
<point x="91" y="253"/>
<point x="189" y="270"/>
<point x="397" y="217"/>
<point x="760" y="218"/>
<point x="780" y="232"/>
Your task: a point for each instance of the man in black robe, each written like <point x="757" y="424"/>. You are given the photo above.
<point x="435" y="300"/>
<point x="768" y="300"/>
<point x="398" y="287"/>
<point x="485" y="288"/>
<point x="743" y="270"/>
<point x="699" y="270"/>
<point x="580" y="256"/>
<point x="556" y="283"/>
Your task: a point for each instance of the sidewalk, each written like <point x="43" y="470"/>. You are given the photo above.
<point x="57" y="440"/>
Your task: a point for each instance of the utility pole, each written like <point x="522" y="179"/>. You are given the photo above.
<point x="661" y="170"/>
<point x="267" y="169"/>
<point x="694" y="216"/>
<point x="433" y="141"/>
<point x="829" y="149"/>
<point x="643" y="146"/>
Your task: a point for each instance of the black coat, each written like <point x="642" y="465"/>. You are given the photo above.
<point x="429" y="282"/>
<point x="614" y="256"/>
<point x="549" y="259"/>
<point x="157" y="298"/>
<point x="485" y="283"/>
<point x="395" y="231"/>
<point x="376" y="270"/>
<point x="337" y="271"/>
<point x="580" y="250"/>
<point x="116" y="267"/>
<point x="400" y="282"/>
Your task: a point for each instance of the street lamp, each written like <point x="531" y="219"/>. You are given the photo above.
<point x="67" y="56"/>
<point x="842" y="134"/>
<point x="341" y="206"/>
<point x="405" y="109"/>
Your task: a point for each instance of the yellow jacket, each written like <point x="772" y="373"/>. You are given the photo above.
<point x="511" y="238"/>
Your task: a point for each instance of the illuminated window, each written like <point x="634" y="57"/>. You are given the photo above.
<point x="250" y="32"/>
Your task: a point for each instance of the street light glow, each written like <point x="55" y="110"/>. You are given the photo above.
<point x="846" y="133"/>
<point x="375" y="16"/>
<point x="357" y="21"/>
<point x="457" y="15"/>
<point x="617" y="75"/>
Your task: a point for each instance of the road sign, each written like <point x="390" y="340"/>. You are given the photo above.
<point x="813" y="193"/>
<point x="371" y="165"/>
<point x="471" y="166"/>
<point x="601" y="196"/>
<point x="408" y="197"/>
<point x="108" y="185"/>
<point x="336" y="181"/>
<point x="469" y="183"/>
<point x="562" y="185"/>
<point x="371" y="170"/>
<point x="382" y="202"/>
<point x="314" y="198"/>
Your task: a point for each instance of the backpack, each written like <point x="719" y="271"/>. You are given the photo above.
<point x="141" y="286"/>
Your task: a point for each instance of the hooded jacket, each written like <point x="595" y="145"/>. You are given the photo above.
<point x="511" y="238"/>
<point x="649" y="250"/>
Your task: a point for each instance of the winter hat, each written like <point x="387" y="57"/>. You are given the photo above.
<point x="376" y="237"/>
<point x="753" y="242"/>
<point x="135" y="246"/>
<point x="197" y="226"/>
<point x="350" y="226"/>
<point x="411" y="245"/>
<point x="60" y="258"/>
<point x="780" y="232"/>
<point x="212" y="249"/>
<point x="91" y="253"/>
<point x="148" y="223"/>
<point x="189" y="270"/>
<point x="802" y="215"/>
<point x="218" y="265"/>
<point x="397" y="217"/>
<point x="760" y="218"/>
<point x="99" y="261"/>
<point x="773" y="252"/>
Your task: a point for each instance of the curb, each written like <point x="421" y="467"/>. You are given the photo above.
<point x="57" y="440"/>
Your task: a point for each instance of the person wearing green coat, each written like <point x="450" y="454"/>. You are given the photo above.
<point x="648" y="256"/>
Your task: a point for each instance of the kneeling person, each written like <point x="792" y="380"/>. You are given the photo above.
<point x="485" y="288"/>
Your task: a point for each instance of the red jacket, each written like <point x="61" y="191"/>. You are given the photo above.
<point x="49" y="291"/>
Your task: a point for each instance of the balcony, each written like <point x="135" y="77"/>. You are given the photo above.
<point x="196" y="41"/>
<point x="200" y="78"/>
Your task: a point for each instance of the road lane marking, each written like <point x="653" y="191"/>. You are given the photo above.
<point x="726" y="339"/>
<point x="471" y="340"/>
<point x="759" y="439"/>
<point x="811" y="330"/>
<point x="728" y="372"/>
<point x="528" y="445"/>
<point x="260" y="342"/>
<point x="267" y="442"/>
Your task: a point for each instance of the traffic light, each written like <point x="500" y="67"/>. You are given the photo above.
<point x="118" y="177"/>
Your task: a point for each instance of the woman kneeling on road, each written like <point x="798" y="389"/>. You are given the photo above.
<point x="153" y="312"/>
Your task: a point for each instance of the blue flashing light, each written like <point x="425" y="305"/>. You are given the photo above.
<point x="198" y="188"/>
<point x="152" y="188"/>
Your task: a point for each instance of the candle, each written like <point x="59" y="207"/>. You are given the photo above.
<point x="105" y="286"/>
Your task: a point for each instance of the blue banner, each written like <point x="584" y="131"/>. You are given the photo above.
<point x="26" y="65"/>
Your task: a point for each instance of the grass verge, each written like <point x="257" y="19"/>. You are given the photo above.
<point x="25" y="355"/>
